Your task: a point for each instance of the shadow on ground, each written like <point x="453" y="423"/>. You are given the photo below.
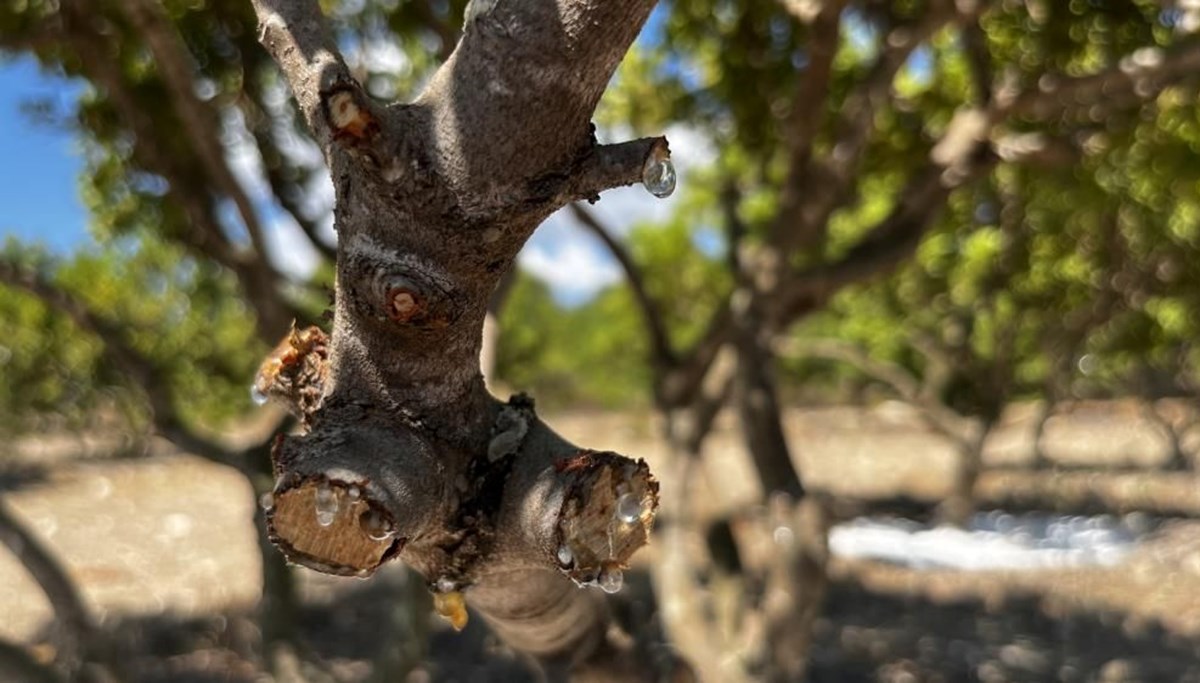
<point x="867" y="636"/>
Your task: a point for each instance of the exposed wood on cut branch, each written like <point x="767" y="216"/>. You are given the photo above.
<point x="406" y="455"/>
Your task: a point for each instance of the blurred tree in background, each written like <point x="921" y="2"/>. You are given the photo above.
<point x="1035" y="160"/>
<point x="972" y="203"/>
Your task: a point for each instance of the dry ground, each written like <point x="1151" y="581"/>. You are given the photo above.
<point x="163" y="546"/>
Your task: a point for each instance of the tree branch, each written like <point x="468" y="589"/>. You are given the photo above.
<point x="820" y="187"/>
<point x="199" y="118"/>
<point x="446" y="31"/>
<point x="616" y="165"/>
<point x="434" y="199"/>
<point x="903" y="383"/>
<point x="809" y="104"/>
<point x="1139" y="76"/>
<point x="891" y="241"/>
<point x="553" y="58"/>
<point x="84" y="642"/>
<point x="660" y="344"/>
<point x="978" y="59"/>
<point x="298" y="38"/>
<point x="275" y="163"/>
<point x="809" y="108"/>
<point x="19" y="665"/>
<point x="142" y="371"/>
<point x="202" y="232"/>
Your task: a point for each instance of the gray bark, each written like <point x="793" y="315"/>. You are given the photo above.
<point x="434" y="199"/>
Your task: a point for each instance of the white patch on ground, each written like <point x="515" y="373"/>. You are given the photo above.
<point x="993" y="540"/>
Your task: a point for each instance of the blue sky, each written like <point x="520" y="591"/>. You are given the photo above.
<point x="40" y="166"/>
<point x="39" y="163"/>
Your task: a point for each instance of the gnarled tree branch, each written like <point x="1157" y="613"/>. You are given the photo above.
<point x="434" y="199"/>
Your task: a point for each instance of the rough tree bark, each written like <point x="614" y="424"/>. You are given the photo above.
<point x="434" y="199"/>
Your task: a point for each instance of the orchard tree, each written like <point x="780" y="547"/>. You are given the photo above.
<point x="434" y="199"/>
<point x="844" y="130"/>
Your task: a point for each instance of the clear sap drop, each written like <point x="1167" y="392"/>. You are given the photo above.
<point x="611" y="579"/>
<point x="257" y="395"/>
<point x="267" y="501"/>
<point x="629" y="508"/>
<point x="326" y="504"/>
<point x="375" y="525"/>
<point x="658" y="175"/>
<point x="566" y="558"/>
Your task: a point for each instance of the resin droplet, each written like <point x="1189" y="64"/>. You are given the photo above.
<point x="658" y="175"/>
<point x="566" y="558"/>
<point x="327" y="504"/>
<point x="375" y="525"/>
<point x="611" y="579"/>
<point x="629" y="508"/>
<point x="266" y="501"/>
<point x="452" y="607"/>
<point x="257" y="395"/>
<point x="353" y="493"/>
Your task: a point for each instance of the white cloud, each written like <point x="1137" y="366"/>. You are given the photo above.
<point x="574" y="269"/>
<point x="288" y="248"/>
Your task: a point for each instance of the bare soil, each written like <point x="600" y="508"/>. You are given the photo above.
<point x="163" y="549"/>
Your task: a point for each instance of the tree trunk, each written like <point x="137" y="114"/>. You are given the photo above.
<point x="795" y="577"/>
<point x="684" y="601"/>
<point x="83" y="646"/>
<point x="959" y="506"/>
<point x="1044" y="413"/>
<point x="1177" y="457"/>
<point x="760" y="414"/>
<point x="405" y="454"/>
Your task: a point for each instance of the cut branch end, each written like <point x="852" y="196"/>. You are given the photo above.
<point x="606" y="516"/>
<point x="331" y="527"/>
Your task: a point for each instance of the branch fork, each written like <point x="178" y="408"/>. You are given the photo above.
<point x="405" y="455"/>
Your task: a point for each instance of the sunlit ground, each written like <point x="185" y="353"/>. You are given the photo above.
<point x="1104" y="588"/>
